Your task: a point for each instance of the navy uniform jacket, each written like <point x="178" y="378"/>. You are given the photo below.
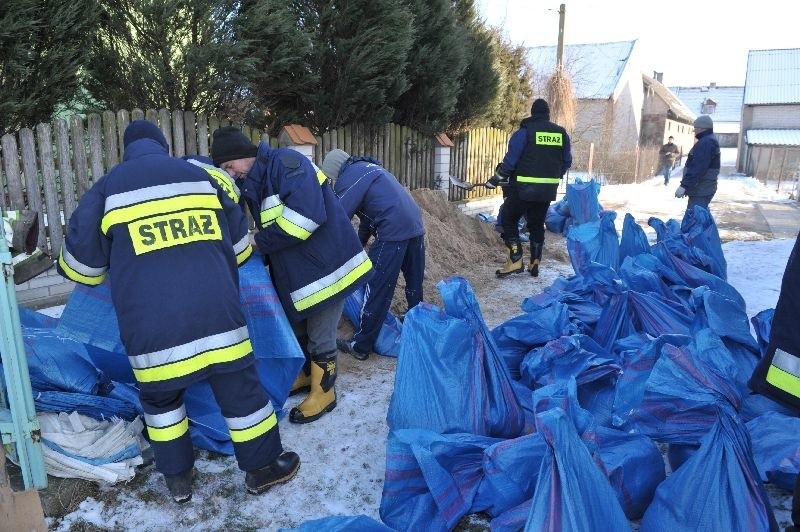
<point x="384" y="206"/>
<point x="314" y="255"/>
<point x="702" y="166"/>
<point x="171" y="242"/>
<point x="539" y="154"/>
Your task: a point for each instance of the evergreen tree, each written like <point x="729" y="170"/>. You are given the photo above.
<point x="436" y="64"/>
<point x="479" y="83"/>
<point x="173" y="54"/>
<point x="515" y="78"/>
<point x="280" y="43"/>
<point x="42" y="49"/>
<point x="361" y="49"/>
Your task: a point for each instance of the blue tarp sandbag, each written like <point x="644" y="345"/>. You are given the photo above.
<point x="571" y="492"/>
<point x="582" y="310"/>
<point x="94" y="406"/>
<point x="656" y="316"/>
<point x="593" y="242"/>
<point x="554" y="221"/>
<point x="517" y="336"/>
<point x="700" y="232"/>
<point x="775" y="450"/>
<point x="341" y="523"/>
<point x="762" y="324"/>
<point x="388" y="341"/>
<point x="575" y="356"/>
<point x="633" y="240"/>
<point x="511" y="468"/>
<point x="717" y="488"/>
<point x="450" y="377"/>
<point x="641" y="273"/>
<point x="432" y="480"/>
<point x="36" y="320"/>
<point x="582" y="199"/>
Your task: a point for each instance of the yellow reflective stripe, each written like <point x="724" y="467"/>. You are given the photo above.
<point x="542" y="180"/>
<point x="549" y="138"/>
<point x="251" y="433"/>
<point x="243" y="249"/>
<point x="173" y="229"/>
<point x="168" y="433"/>
<point x="124" y="215"/>
<point x="321" y="177"/>
<point x="271" y="208"/>
<point x="78" y="272"/>
<point x="784" y="380"/>
<point x="295" y="230"/>
<point x="224" y="181"/>
<point x="193" y="364"/>
<point x="331" y="289"/>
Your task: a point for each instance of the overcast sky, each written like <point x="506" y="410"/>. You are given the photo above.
<point x="692" y="42"/>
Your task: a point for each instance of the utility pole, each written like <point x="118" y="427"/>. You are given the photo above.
<point x="562" y="10"/>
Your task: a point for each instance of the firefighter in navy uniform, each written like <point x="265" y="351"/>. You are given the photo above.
<point x="171" y="241"/>
<point x="777" y="374"/>
<point x="538" y="156"/>
<point x="314" y="255"/>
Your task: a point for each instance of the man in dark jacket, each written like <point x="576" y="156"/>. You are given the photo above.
<point x="314" y="255"/>
<point x="387" y="211"/>
<point x="777" y="374"/>
<point x="538" y="156"/>
<point x="171" y="241"/>
<point x="700" y="173"/>
<point x="668" y="155"/>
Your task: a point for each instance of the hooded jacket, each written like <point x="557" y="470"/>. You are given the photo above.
<point x="314" y="254"/>
<point x="170" y="240"/>
<point x="384" y="206"/>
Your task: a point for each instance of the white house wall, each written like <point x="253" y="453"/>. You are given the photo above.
<point x="774" y="117"/>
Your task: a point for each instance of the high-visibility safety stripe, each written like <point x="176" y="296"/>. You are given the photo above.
<point x="538" y="180"/>
<point x="79" y="272"/>
<point x="784" y="372"/>
<point x="333" y="283"/>
<point x="549" y="138"/>
<point x="291" y="221"/>
<point x="127" y="206"/>
<point x="187" y="358"/>
<point x="243" y="249"/>
<point x="167" y="426"/>
<point x="321" y="177"/>
<point x="221" y="177"/>
<point x="271" y="208"/>
<point x="173" y="229"/>
<point x="251" y="427"/>
<point x="296" y="224"/>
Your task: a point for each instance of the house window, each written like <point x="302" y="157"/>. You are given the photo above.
<point x="708" y="107"/>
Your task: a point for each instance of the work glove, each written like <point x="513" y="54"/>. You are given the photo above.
<point x="498" y="179"/>
<point x="680" y="192"/>
<point x="492" y="182"/>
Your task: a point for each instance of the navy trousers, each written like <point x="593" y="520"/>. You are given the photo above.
<point x="245" y="405"/>
<point x="388" y="260"/>
<point x="535" y="213"/>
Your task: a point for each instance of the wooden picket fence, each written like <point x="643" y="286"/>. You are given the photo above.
<point x="48" y="168"/>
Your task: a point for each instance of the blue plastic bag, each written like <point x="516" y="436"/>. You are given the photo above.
<point x="582" y="199"/>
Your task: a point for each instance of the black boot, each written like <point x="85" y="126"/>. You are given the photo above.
<point x="180" y="486"/>
<point x="514" y="262"/>
<point x="536" y="258"/>
<point x="281" y="470"/>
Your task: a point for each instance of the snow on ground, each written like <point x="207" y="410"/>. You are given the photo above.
<point x="343" y="453"/>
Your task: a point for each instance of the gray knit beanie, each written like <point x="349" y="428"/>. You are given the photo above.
<point x="704" y="122"/>
<point x="333" y="162"/>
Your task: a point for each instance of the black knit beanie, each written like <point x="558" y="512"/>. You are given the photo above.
<point x="540" y="108"/>
<point x="229" y="143"/>
<point x="142" y="129"/>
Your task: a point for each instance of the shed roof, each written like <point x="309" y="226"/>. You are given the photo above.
<point x="299" y="135"/>
<point x="595" y="69"/>
<point x="773" y="137"/>
<point x="728" y="100"/>
<point x="674" y="103"/>
<point x="773" y="77"/>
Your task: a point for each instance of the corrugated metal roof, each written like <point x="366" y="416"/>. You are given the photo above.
<point x="773" y="137"/>
<point x="773" y="77"/>
<point x="595" y="69"/>
<point x="728" y="100"/>
<point x="675" y="105"/>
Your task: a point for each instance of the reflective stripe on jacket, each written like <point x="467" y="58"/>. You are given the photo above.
<point x="171" y="241"/>
<point x="314" y="254"/>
